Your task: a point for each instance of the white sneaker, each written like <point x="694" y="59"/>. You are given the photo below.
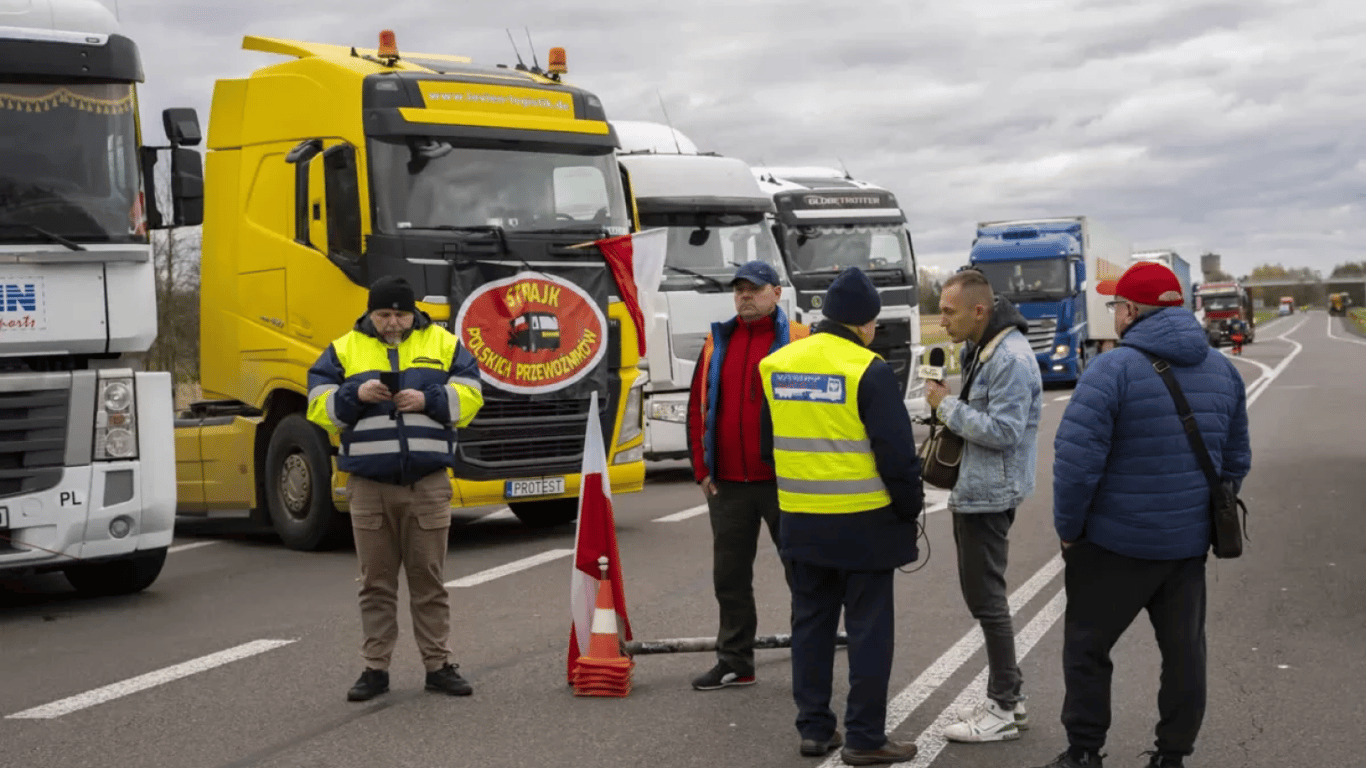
<point x="985" y="722"/>
<point x="1021" y="714"/>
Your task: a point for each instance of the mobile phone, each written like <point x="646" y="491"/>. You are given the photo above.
<point x="390" y="380"/>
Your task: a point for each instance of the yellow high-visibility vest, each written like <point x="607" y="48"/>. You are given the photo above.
<point x="821" y="451"/>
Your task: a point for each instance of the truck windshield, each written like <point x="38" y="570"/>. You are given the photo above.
<point x="68" y="163"/>
<point x="426" y="183"/>
<point x="832" y="247"/>
<point x="1218" y="303"/>
<point x="704" y="250"/>
<point x="1033" y="280"/>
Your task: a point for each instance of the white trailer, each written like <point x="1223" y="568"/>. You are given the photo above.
<point x="87" y="472"/>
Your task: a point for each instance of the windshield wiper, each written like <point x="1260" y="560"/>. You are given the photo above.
<point x="720" y="287"/>
<point x="52" y="237"/>
<point x="473" y="229"/>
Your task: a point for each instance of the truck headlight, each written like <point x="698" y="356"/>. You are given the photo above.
<point x="116" y="431"/>
<point x="1061" y="351"/>
<point x="668" y="411"/>
<point x="631" y="422"/>
<point x="630" y="455"/>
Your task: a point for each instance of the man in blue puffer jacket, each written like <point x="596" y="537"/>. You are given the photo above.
<point x="1131" y="507"/>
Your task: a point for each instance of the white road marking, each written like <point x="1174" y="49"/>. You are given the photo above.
<point x="681" y="516"/>
<point x="1265" y="369"/>
<point x="150" y="680"/>
<point x="938" y="673"/>
<point x="509" y="568"/>
<point x="191" y="545"/>
<point x="1061" y="398"/>
<point x="931" y="740"/>
<point x="1280" y="368"/>
<point x="498" y="514"/>
<point x="1339" y="338"/>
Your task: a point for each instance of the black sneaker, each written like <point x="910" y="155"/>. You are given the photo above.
<point x="372" y="683"/>
<point x="1082" y="760"/>
<point x="1159" y="760"/>
<point x="720" y="676"/>
<point x="446" y="680"/>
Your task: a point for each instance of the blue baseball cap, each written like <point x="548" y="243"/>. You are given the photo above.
<point x="760" y="273"/>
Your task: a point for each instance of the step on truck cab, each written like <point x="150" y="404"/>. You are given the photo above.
<point x="827" y="221"/>
<point x="86" y="479"/>
<point x="1049" y="268"/>
<point x="486" y="188"/>
<point x="718" y="219"/>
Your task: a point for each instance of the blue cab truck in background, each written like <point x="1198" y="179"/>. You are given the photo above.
<point x="1049" y="269"/>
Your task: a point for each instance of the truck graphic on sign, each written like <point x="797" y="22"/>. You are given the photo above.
<point x="808" y="387"/>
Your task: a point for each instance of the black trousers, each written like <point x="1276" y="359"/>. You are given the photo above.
<point x="738" y="512"/>
<point x="818" y="594"/>
<point x="1105" y="592"/>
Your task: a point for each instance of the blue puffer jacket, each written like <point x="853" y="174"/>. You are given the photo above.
<point x="1124" y="475"/>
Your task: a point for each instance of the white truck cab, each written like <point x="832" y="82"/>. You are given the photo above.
<point x="87" y="471"/>
<point x="718" y="219"/>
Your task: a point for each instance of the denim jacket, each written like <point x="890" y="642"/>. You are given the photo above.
<point x="999" y="422"/>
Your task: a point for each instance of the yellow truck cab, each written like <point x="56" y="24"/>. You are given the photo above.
<point x="485" y="188"/>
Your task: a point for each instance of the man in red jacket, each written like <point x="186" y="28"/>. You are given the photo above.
<point x="723" y="437"/>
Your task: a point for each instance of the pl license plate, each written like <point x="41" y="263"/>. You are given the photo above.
<point x="4" y="517"/>
<point x="541" y="486"/>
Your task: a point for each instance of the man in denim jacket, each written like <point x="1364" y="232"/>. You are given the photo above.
<point x="998" y="419"/>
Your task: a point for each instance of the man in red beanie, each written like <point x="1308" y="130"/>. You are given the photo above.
<point x="1131" y="505"/>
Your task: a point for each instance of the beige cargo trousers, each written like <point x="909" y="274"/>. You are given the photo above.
<point x="402" y="527"/>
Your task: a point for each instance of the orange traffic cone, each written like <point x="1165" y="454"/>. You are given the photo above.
<point x="603" y="671"/>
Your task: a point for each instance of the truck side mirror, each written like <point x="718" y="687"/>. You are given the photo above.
<point x="187" y="187"/>
<point x="182" y="126"/>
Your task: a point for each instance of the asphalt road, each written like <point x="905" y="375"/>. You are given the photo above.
<point x="240" y="655"/>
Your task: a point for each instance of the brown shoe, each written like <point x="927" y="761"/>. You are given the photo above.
<point x="891" y="752"/>
<point x="818" y="748"/>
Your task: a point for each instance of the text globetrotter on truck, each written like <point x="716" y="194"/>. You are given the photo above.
<point x="827" y="222"/>
<point x="717" y="219"/>
<point x="85" y="436"/>
<point x="1049" y="269"/>
<point x="484" y="188"/>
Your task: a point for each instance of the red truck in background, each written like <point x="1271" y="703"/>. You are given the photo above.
<point x="1219" y="305"/>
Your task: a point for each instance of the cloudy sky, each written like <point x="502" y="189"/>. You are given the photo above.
<point x="1233" y="127"/>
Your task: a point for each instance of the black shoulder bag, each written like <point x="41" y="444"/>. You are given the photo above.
<point x="1226" y="530"/>
<point x="942" y="451"/>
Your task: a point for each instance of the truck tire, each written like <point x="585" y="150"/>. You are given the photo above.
<point x="117" y="577"/>
<point x="298" y="476"/>
<point x="545" y="514"/>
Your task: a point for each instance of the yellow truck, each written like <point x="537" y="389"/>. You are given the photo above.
<point x="1337" y="304"/>
<point x="485" y="187"/>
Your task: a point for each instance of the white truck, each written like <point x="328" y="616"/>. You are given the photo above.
<point x="718" y="219"/>
<point x="827" y="221"/>
<point x="87" y="473"/>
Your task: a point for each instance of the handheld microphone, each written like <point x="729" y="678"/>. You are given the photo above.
<point x="932" y="369"/>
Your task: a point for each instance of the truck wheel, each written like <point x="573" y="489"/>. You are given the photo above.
<point x="117" y="577"/>
<point x="545" y="514"/>
<point x="298" y="487"/>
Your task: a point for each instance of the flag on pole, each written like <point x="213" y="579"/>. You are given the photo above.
<point x="637" y="264"/>
<point x="596" y="536"/>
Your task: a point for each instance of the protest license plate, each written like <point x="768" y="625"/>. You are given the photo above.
<point x="541" y="486"/>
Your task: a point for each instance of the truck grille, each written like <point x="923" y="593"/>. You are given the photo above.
<point x="516" y="437"/>
<point x="32" y="440"/>
<point x="1041" y="334"/>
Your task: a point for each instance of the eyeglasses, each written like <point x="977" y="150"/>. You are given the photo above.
<point x="1110" y="305"/>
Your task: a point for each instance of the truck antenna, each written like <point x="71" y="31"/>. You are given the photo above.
<point x="117" y="17"/>
<point x="842" y="168"/>
<point x="535" y="62"/>
<point x="520" y="66"/>
<point x="668" y="122"/>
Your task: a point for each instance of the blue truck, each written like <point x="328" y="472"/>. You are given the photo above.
<point x="1049" y="269"/>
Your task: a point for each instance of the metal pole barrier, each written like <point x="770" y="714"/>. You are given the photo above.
<point x="702" y="644"/>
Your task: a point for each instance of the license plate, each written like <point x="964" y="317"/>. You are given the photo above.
<point x="4" y="517"/>
<point x="541" y="486"/>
